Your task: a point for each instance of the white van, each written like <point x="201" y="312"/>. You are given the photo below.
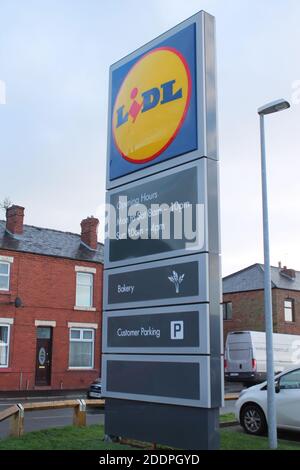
<point x="245" y="355"/>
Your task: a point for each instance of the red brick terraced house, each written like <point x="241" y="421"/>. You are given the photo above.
<point x="243" y="300"/>
<point x="50" y="305"/>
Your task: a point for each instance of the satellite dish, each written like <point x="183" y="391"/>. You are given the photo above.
<point x="18" y="302"/>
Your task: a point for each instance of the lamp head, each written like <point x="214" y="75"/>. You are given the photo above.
<point x="273" y="107"/>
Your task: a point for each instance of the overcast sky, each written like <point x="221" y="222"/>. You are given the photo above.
<point x="54" y="60"/>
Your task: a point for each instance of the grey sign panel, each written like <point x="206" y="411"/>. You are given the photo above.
<point x="174" y="221"/>
<point x="205" y="98"/>
<point x="168" y="282"/>
<point x="155" y="422"/>
<point x="178" y="380"/>
<point x="178" y="330"/>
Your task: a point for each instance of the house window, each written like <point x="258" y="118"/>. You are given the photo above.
<point x="4" y="345"/>
<point x="84" y="289"/>
<point x="289" y="314"/>
<point x="81" y="348"/>
<point x="4" y="276"/>
<point x="227" y="311"/>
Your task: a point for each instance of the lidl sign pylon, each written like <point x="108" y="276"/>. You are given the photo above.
<point x="162" y="337"/>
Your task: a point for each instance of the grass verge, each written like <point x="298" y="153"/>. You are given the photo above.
<point x="239" y="440"/>
<point x="91" y="438"/>
<point x="67" y="438"/>
<point x="227" y="418"/>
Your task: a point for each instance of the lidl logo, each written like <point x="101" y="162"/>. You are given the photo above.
<point x="151" y="105"/>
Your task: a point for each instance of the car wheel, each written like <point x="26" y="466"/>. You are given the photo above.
<point x="253" y="419"/>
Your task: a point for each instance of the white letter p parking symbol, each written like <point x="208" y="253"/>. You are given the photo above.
<point x="176" y="329"/>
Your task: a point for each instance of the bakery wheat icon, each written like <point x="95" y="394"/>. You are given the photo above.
<point x="176" y="280"/>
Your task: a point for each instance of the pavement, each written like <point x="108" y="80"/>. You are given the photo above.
<point x="228" y="408"/>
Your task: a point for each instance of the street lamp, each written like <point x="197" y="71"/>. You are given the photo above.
<point x="274" y="107"/>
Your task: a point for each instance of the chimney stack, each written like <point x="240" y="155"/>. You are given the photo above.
<point x="89" y="229"/>
<point x="289" y="273"/>
<point x="14" y="219"/>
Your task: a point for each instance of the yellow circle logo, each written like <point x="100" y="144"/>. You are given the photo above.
<point x="151" y="105"/>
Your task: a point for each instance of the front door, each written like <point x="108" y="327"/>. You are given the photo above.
<point x="43" y="355"/>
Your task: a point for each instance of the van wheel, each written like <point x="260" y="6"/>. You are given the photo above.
<point x="253" y="419"/>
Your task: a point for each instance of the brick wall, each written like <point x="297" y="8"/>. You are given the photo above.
<point x="47" y="287"/>
<point x="280" y="295"/>
<point x="248" y="311"/>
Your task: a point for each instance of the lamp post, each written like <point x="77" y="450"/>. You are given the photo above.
<point x="269" y="108"/>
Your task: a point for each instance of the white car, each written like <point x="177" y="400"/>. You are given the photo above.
<point x="251" y="406"/>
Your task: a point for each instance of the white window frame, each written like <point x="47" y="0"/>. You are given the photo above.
<point x="4" y="275"/>
<point x="7" y="325"/>
<point x="81" y="340"/>
<point x="291" y="309"/>
<point x="227" y="308"/>
<point x="85" y="307"/>
<point x="85" y="269"/>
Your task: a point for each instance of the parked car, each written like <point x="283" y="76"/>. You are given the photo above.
<point x="94" y="390"/>
<point x="251" y="406"/>
<point x="245" y="355"/>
